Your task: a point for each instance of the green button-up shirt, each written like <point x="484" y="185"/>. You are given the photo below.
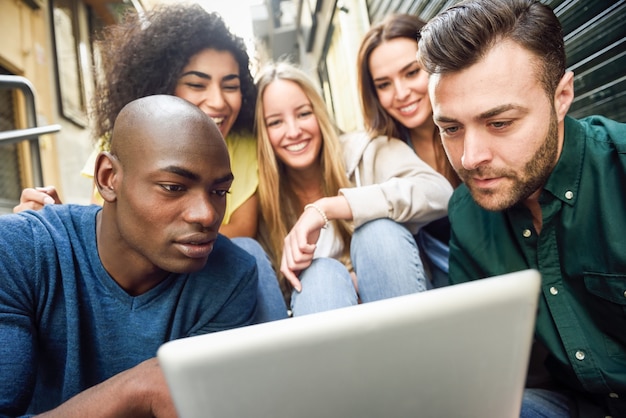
<point x="581" y="254"/>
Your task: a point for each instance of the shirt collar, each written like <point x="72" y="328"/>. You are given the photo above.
<point x="564" y="181"/>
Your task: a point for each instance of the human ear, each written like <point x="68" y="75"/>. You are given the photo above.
<point x="564" y="95"/>
<point x="106" y="175"/>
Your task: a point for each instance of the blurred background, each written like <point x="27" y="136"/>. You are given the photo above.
<point x="44" y="128"/>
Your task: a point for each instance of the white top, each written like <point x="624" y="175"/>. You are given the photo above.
<point x="328" y="245"/>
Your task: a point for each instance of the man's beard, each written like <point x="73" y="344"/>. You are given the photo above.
<point x="534" y="176"/>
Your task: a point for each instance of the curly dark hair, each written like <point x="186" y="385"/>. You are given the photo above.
<point x="145" y="55"/>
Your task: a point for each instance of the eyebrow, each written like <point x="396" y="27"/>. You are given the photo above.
<point x="487" y="114"/>
<point x="179" y="171"/>
<point x="196" y="73"/>
<point x="501" y="109"/>
<point x="401" y="70"/>
<point x="206" y="76"/>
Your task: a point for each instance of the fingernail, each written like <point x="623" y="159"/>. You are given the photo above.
<point x="48" y="200"/>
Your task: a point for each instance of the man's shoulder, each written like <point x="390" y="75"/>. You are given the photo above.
<point x="51" y="217"/>
<point x="58" y="237"/>
<point x="594" y="144"/>
<point x="600" y="129"/>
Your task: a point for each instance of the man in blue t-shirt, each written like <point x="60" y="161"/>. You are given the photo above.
<point x="541" y="190"/>
<point x="88" y="294"/>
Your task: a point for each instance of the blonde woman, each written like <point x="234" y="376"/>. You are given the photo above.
<point x="338" y="212"/>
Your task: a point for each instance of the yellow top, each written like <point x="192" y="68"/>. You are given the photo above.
<point x="243" y="161"/>
<point x="245" y="168"/>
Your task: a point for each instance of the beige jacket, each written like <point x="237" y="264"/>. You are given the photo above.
<point x="391" y="181"/>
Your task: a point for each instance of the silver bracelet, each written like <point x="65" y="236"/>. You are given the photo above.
<point x="320" y="211"/>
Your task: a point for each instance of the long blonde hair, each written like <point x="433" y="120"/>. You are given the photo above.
<point x="278" y="202"/>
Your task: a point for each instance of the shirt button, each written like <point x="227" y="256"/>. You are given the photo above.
<point x="569" y="195"/>
<point x="613" y="395"/>
<point x="527" y="233"/>
<point x="580" y="355"/>
<point x="554" y="290"/>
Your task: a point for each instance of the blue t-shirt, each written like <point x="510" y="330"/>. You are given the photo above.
<point x="66" y="325"/>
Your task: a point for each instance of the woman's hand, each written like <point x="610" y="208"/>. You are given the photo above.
<point x="37" y="198"/>
<point x="300" y="241"/>
<point x="300" y="245"/>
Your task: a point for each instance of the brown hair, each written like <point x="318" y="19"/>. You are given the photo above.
<point x="464" y="33"/>
<point x="377" y="120"/>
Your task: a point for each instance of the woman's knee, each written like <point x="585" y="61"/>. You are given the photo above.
<point x="383" y="238"/>
<point x="387" y="261"/>
<point x="326" y="285"/>
<point x="326" y="273"/>
<point x="382" y="231"/>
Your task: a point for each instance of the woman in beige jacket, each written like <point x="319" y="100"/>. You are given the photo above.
<point x="393" y="90"/>
<point x="324" y="217"/>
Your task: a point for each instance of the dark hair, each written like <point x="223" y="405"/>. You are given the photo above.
<point x="464" y="33"/>
<point x="145" y="55"/>
<point x="377" y="120"/>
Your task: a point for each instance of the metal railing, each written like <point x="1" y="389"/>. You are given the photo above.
<point x="32" y="132"/>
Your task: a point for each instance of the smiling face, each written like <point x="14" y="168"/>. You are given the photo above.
<point x="166" y="185"/>
<point x="502" y="133"/>
<point x="401" y="85"/>
<point x="211" y="81"/>
<point x="291" y="124"/>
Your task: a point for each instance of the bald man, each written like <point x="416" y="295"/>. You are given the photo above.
<point x="89" y="293"/>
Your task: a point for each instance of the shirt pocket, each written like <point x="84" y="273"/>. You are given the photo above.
<point x="606" y="303"/>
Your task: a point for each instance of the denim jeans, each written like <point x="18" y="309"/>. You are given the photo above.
<point x="541" y="403"/>
<point x="326" y="285"/>
<point x="386" y="261"/>
<point x="436" y="255"/>
<point x="270" y="303"/>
